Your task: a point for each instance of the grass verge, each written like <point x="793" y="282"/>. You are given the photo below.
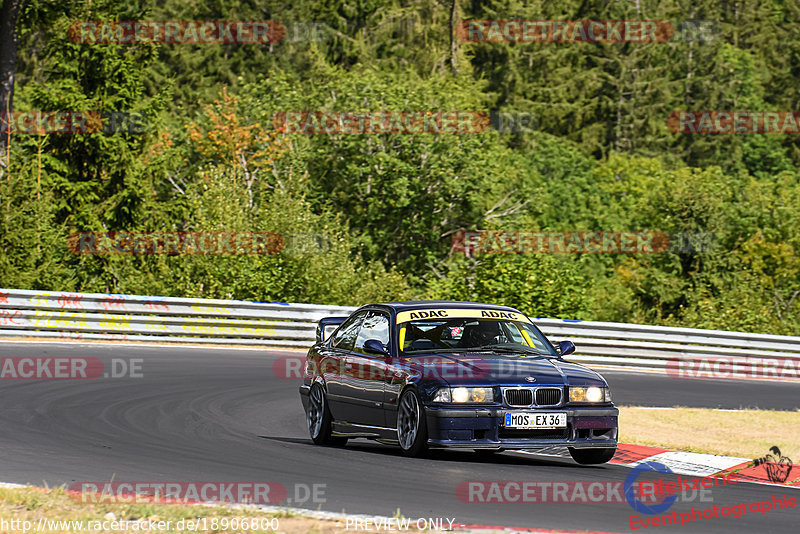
<point x="742" y="433"/>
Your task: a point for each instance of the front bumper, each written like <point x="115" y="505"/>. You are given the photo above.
<point x="481" y="428"/>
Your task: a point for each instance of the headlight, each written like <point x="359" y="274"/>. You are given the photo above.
<point x="462" y="394"/>
<point x="594" y="394"/>
<point x="589" y="394"/>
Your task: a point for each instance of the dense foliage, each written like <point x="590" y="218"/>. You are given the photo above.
<point x="598" y="155"/>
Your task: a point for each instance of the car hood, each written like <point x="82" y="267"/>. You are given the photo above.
<point x="468" y="368"/>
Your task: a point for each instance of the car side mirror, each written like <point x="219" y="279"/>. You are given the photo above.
<point x="566" y="347"/>
<point x="374" y="346"/>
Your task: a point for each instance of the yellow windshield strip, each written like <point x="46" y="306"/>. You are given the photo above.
<point x="403" y="337"/>
<point x="459" y="313"/>
<point x="526" y="336"/>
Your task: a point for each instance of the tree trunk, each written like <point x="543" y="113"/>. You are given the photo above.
<point x="453" y="41"/>
<point x="8" y="65"/>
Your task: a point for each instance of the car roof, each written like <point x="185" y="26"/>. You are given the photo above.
<point x="407" y="305"/>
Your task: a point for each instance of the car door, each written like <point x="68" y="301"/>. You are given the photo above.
<point x="364" y="386"/>
<point x="334" y="362"/>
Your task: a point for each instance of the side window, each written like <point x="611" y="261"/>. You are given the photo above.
<point x="533" y="338"/>
<point x="346" y="334"/>
<point x="375" y="326"/>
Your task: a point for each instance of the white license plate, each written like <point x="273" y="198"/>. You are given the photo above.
<point x="535" y="420"/>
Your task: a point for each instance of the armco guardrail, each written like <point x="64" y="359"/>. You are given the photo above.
<point x="654" y="347"/>
<point x="98" y="316"/>
<point x="169" y="319"/>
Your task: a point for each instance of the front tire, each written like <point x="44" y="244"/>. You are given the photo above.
<point x="592" y="456"/>
<point x="319" y="419"/>
<point x="412" y="428"/>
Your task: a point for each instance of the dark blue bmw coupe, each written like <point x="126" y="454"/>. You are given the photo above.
<point x="452" y="374"/>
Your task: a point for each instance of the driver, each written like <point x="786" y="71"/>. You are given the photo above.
<point x="481" y="334"/>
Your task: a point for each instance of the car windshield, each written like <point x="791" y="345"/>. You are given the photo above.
<point x="465" y="334"/>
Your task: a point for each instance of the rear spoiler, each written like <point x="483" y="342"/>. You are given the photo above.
<point x="326" y="326"/>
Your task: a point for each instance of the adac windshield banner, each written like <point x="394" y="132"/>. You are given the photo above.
<point x="459" y="313"/>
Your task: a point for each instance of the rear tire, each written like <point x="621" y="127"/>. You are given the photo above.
<point x="319" y="419"/>
<point x="412" y="428"/>
<point x="592" y="456"/>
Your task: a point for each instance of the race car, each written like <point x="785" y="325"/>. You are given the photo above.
<point x="451" y="374"/>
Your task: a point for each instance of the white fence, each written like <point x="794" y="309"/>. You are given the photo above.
<point x="95" y="316"/>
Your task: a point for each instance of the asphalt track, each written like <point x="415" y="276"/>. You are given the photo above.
<point x="222" y="415"/>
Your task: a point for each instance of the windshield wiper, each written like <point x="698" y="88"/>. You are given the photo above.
<point x="506" y="348"/>
<point x="423" y="351"/>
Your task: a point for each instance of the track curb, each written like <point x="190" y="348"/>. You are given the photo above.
<point x="701" y="465"/>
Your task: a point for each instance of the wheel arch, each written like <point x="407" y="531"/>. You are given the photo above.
<point x="319" y="380"/>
